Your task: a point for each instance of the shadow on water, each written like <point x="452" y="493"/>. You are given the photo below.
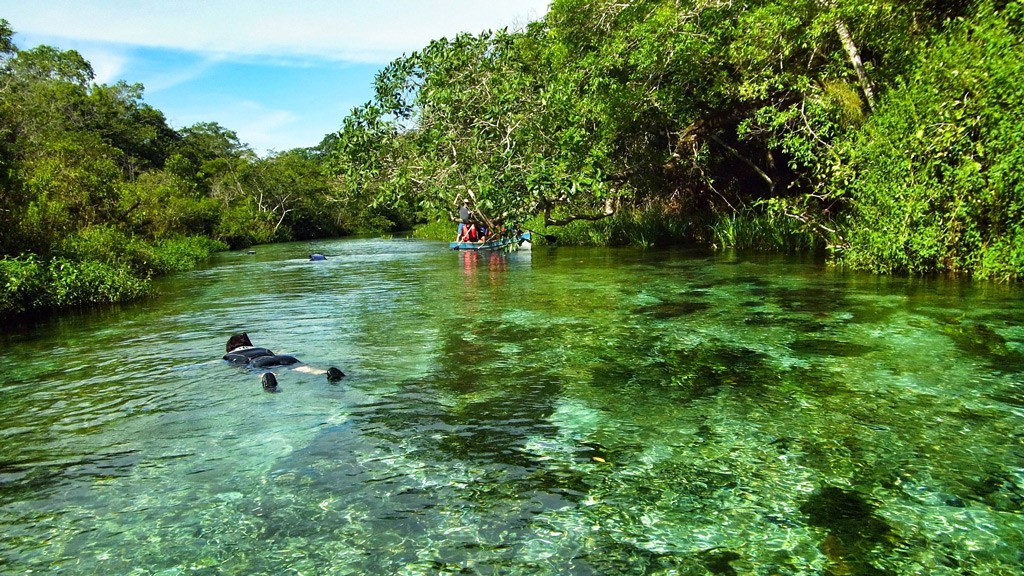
<point x="48" y="475"/>
<point x="688" y="372"/>
<point x="664" y="310"/>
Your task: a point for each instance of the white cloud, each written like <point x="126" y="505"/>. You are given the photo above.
<point x="260" y="126"/>
<point x="172" y="76"/>
<point x="232" y="61"/>
<point x="107" y="65"/>
<point x="353" y="30"/>
<point x="264" y="128"/>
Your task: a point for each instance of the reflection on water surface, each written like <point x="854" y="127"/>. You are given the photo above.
<point x="560" y="411"/>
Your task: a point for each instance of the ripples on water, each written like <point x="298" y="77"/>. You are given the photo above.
<point x="564" y="411"/>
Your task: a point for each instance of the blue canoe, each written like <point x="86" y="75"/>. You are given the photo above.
<point x="504" y="243"/>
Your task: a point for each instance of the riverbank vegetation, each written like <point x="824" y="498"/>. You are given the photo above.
<point x="98" y="194"/>
<point x="884" y="132"/>
<point x="887" y="133"/>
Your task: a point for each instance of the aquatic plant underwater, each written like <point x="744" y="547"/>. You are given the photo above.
<point x="566" y="411"/>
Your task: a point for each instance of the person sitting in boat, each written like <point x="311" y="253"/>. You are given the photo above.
<point x="471" y="233"/>
<point x="241" y="351"/>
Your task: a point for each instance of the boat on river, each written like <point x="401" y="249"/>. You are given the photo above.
<point x="507" y="243"/>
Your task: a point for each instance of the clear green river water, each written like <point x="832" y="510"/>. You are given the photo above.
<point x="554" y="411"/>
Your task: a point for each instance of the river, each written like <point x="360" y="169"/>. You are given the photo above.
<point x="554" y="411"/>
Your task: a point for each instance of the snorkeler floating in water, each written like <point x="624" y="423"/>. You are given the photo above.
<point x="241" y="351"/>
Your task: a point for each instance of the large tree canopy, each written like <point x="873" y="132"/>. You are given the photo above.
<point x="702" y="109"/>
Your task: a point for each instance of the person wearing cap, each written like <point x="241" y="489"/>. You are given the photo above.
<point x="464" y="216"/>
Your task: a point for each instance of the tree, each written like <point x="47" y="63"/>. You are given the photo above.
<point x="933" y="180"/>
<point x="49" y="63"/>
<point x="211" y="156"/>
<point x="290" y="191"/>
<point x="137" y="129"/>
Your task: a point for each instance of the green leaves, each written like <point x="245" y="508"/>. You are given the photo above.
<point x="49" y="63"/>
<point x="98" y="193"/>
<point x="27" y="283"/>
<point x="711" y="106"/>
<point x="938" y="168"/>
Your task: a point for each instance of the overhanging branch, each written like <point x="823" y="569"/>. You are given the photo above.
<point x="750" y="163"/>
<point x="611" y="205"/>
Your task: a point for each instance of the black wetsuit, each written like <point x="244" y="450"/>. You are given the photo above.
<point x="259" y="357"/>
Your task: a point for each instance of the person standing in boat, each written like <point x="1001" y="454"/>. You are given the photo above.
<point x="465" y="222"/>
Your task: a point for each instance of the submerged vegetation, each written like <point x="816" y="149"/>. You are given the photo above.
<point x="885" y="132"/>
<point x="573" y="411"/>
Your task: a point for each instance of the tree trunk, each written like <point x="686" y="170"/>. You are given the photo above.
<point x="854" y="54"/>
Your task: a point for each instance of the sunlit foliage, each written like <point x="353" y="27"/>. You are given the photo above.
<point x="98" y="193"/>
<point x="884" y="131"/>
<point x="934" y="179"/>
<point x="732" y="122"/>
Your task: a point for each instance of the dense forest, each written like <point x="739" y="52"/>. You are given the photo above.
<point x="883" y="132"/>
<point x="98" y="194"/>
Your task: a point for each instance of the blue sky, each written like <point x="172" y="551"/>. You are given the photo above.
<point x="282" y="74"/>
